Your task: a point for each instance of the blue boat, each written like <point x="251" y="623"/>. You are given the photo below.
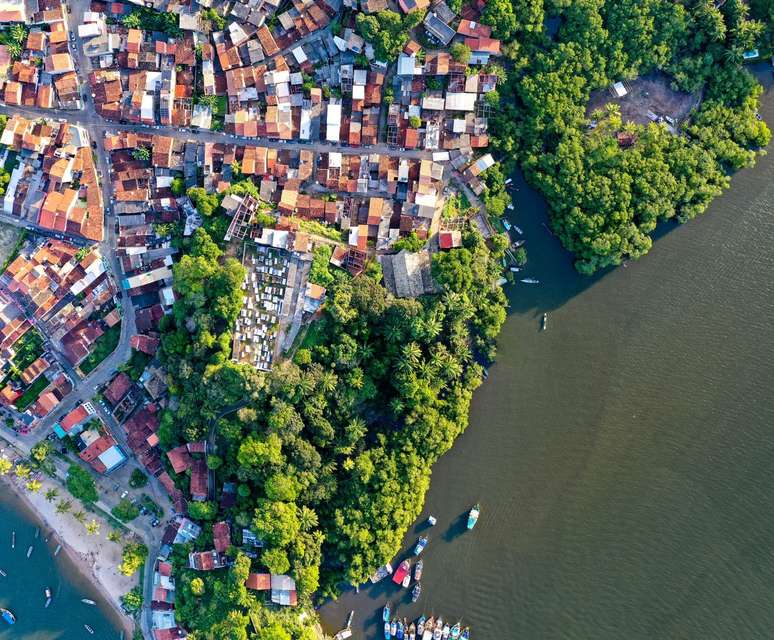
<point x="465" y="634"/>
<point x="8" y="616"/>
<point x="386" y="613"/>
<point x="473" y="516"/>
<point x="421" y="544"/>
<point x="387" y="634"/>
<point x="399" y="635"/>
<point x="394" y="628"/>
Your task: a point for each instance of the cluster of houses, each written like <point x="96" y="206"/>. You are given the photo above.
<point x="42" y="73"/>
<point x="65" y="293"/>
<point x="94" y="441"/>
<point x="54" y="181"/>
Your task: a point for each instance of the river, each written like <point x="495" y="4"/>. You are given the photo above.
<point x="22" y="590"/>
<point x="624" y="458"/>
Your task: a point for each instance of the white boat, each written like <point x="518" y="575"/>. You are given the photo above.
<point x="545" y="321"/>
<point x="29" y="551"/>
<point x="87" y="601"/>
<point x="431" y="520"/>
<point x="509" y="180"/>
<point x="381" y="573"/>
<point x="3" y="573"/>
<point x="515" y="269"/>
<point x="510" y="206"/>
<point x="13" y="539"/>
<point x="506" y="224"/>
<point x="530" y="281"/>
<point x="518" y="230"/>
<point x="57" y="550"/>
<point x="89" y="629"/>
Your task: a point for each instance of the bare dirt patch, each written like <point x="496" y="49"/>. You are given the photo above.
<point x="8" y="236"/>
<point x="647" y="95"/>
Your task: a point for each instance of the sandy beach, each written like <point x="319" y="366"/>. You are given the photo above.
<point x="95" y="556"/>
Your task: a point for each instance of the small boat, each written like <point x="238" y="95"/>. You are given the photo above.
<point x="394" y="628"/>
<point x="431" y="521"/>
<point x="406" y="580"/>
<point x="7" y="616"/>
<point x="427" y="634"/>
<point x="37" y="534"/>
<point x="438" y="629"/>
<point x="455" y="632"/>
<point x="87" y="601"/>
<point x="57" y="550"/>
<point x="416" y="592"/>
<point x="510" y="207"/>
<point x="515" y="269"/>
<point x="387" y="632"/>
<point x="518" y="243"/>
<point x="381" y="573"/>
<point x="29" y="551"/>
<point x="485" y="373"/>
<point x="412" y="631"/>
<point x="420" y="545"/>
<point x="418" y="570"/>
<point x="446" y="631"/>
<point x="349" y="619"/>
<point x="465" y="634"/>
<point x="421" y="625"/>
<point x="386" y="613"/>
<point x="3" y="573"/>
<point x="530" y="280"/>
<point x="399" y="635"/>
<point x="89" y="629"/>
<point x="545" y="321"/>
<point x="518" y="230"/>
<point x="401" y="572"/>
<point x="473" y="516"/>
<point x="344" y="634"/>
<point x="509" y="180"/>
<point x="13" y="539"/>
<point x="507" y="224"/>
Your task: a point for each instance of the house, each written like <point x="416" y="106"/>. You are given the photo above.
<point x="221" y="534"/>
<point x="117" y="389"/>
<point x="206" y="561"/>
<point x="407" y="275"/>
<point x="259" y="581"/>
<point x="180" y="459"/>
<point x="283" y="591"/>
<point x="438" y="28"/>
<point x="199" y="486"/>
<point x="449" y="239"/>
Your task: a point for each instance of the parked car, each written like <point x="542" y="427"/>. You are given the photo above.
<point x="124" y="494"/>
<point x="156" y="522"/>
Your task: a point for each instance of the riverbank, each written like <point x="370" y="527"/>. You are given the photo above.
<point x="95" y="557"/>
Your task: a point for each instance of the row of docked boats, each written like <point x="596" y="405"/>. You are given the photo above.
<point x="423" y="629"/>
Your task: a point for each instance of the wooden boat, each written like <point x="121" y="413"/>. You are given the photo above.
<point x="473" y="516"/>
<point x="401" y="572"/>
<point x="406" y="580"/>
<point x="427" y="633"/>
<point x="349" y="619"/>
<point x="416" y="592"/>
<point x="431" y="520"/>
<point x="89" y="629"/>
<point x="399" y="635"/>
<point x="438" y="629"/>
<point x="418" y="570"/>
<point x="6" y="615"/>
<point x="344" y="634"/>
<point x="421" y="625"/>
<point x="381" y="573"/>
<point x="412" y="632"/>
<point x="394" y="628"/>
<point x="47" y="592"/>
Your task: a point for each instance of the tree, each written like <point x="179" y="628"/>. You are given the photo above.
<point x="5" y="466"/>
<point x="131" y="21"/>
<point x="460" y="52"/>
<point x="33" y="485"/>
<point x="133" y="557"/>
<point x="178" y="186"/>
<point x="92" y="527"/>
<point x="125" y="510"/>
<point x="138" y="479"/>
<point x="114" y="535"/>
<point x="81" y="485"/>
<point x="411" y="243"/>
<point x="197" y="587"/>
<point x="276" y="561"/>
<point x="51" y="494"/>
<point x="141" y="153"/>
<point x="415" y="122"/>
<point x="132" y="602"/>
<point x="203" y="510"/>
<point x="80" y="516"/>
<point x="274" y="631"/>
<point x="63" y="506"/>
<point x="22" y="471"/>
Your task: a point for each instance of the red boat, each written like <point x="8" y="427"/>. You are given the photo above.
<point x="401" y="572"/>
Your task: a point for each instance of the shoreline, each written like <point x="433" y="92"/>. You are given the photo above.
<point x="92" y="564"/>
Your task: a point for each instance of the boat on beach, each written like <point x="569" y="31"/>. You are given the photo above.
<point x="421" y="544"/>
<point x="417" y="591"/>
<point x="473" y="516"/>
<point x="6" y="615"/>
<point x="431" y="520"/>
<point x="465" y="634"/>
<point x="418" y="570"/>
<point x="401" y="631"/>
<point x="401" y="572"/>
<point x="57" y="550"/>
<point x="381" y="573"/>
<point x="438" y="629"/>
<point x="394" y="627"/>
<point x="545" y="321"/>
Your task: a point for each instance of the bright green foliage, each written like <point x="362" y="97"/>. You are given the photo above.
<point x="133" y="558"/>
<point x="320" y="272"/>
<point x="81" y="485"/>
<point x="178" y="186"/>
<point x="205" y="203"/>
<point x="606" y="198"/>
<point x="132" y="601"/>
<point x="460" y="52"/>
<point x="141" y="153"/>
<point x="203" y="510"/>
<point x="412" y="243"/>
<point x="387" y="31"/>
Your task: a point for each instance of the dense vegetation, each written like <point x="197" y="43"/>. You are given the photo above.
<point x="387" y="31"/>
<point x="606" y="199"/>
<point x="332" y="452"/>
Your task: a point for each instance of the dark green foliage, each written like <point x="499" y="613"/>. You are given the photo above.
<point x="412" y="243"/>
<point x="605" y="199"/>
<point x="103" y="347"/>
<point x="81" y="485"/>
<point x="149" y="20"/>
<point x="387" y="31"/>
<point x="125" y="511"/>
<point x="137" y="479"/>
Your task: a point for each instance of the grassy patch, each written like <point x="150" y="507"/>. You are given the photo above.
<point x="32" y="393"/>
<point x="103" y="347"/>
<point x="314" y="334"/>
<point x="136" y="365"/>
<point x="324" y="230"/>
<point x="15" y="251"/>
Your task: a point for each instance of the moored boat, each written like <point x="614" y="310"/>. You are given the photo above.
<point x="506" y="224"/>
<point x="421" y="544"/>
<point x="387" y="633"/>
<point x="47" y="592"/>
<point x="455" y="632"/>
<point x="518" y="230"/>
<point x="87" y="601"/>
<point x="57" y="550"/>
<point x="29" y="551"/>
<point x="416" y="592"/>
<point x="13" y="539"/>
<point x="473" y="516"/>
<point x="545" y="321"/>
<point x="412" y="631"/>
<point x="401" y="572"/>
<point x="518" y="243"/>
<point x="349" y="619"/>
<point x="399" y="635"/>
<point x="386" y="612"/>
<point x="394" y="628"/>
<point x="427" y="633"/>
<point x="89" y="629"/>
<point x="381" y="573"/>
<point x="421" y="625"/>
<point x="446" y="631"/>
<point x="7" y="616"/>
<point x="431" y="520"/>
<point x="418" y="570"/>
<point x="406" y="580"/>
<point x="514" y="269"/>
<point x="3" y="573"/>
<point x="465" y="634"/>
<point x="438" y="629"/>
<point x="530" y="281"/>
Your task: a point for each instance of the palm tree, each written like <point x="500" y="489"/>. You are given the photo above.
<point x="114" y="536"/>
<point x="22" y="471"/>
<point x="63" y="506"/>
<point x="51" y="494"/>
<point x="33" y="485"/>
<point x="80" y="516"/>
<point x="307" y="518"/>
<point x="328" y="382"/>
<point x="18" y="33"/>
<point x="5" y="466"/>
<point x="92" y="527"/>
